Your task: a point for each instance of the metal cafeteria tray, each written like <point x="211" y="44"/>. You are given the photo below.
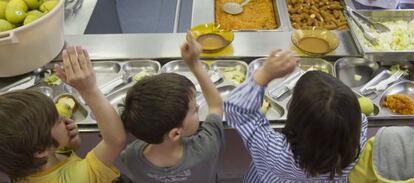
<point x="355" y="72"/>
<point x="203" y="107"/>
<point x="278" y="8"/>
<point x="106" y="72"/>
<point x="136" y="66"/>
<point x="282" y="100"/>
<point x="221" y="65"/>
<point x="381" y="16"/>
<point x="254" y="65"/>
<point x="403" y="87"/>
<point x="179" y="67"/>
<point x="316" y="64"/>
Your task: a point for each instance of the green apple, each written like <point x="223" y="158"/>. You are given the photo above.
<point x="366" y="105"/>
<point x="29" y="19"/>
<point x="64" y="109"/>
<point x="34" y="4"/>
<point x="48" y="6"/>
<point x="35" y="12"/>
<point x="18" y="4"/>
<point x="15" y="15"/>
<point x="5" y="25"/>
<point x="3" y="5"/>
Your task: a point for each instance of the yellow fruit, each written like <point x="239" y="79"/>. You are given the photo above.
<point x="3" y="5"/>
<point x="15" y="15"/>
<point x="68" y="100"/>
<point x="34" y="4"/>
<point x="18" y="4"/>
<point x="366" y="105"/>
<point x="35" y="12"/>
<point x="5" y="25"/>
<point x="48" y="6"/>
<point x="64" y="110"/>
<point x="29" y="19"/>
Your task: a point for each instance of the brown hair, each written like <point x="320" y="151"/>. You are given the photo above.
<point x="323" y="125"/>
<point x="155" y="105"/>
<point x="26" y="119"/>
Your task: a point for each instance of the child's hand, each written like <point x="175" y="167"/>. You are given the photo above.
<point x="73" y="133"/>
<point x="78" y="71"/>
<point x="190" y="51"/>
<point x="279" y="64"/>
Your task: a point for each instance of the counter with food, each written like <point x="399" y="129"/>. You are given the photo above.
<point x="123" y="59"/>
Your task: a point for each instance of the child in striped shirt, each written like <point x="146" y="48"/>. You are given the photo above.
<point x="324" y="131"/>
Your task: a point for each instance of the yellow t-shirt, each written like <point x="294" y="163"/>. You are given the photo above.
<point x="364" y="171"/>
<point x="76" y="170"/>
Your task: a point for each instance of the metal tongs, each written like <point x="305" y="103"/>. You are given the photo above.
<point x="379" y="27"/>
<point x="367" y="34"/>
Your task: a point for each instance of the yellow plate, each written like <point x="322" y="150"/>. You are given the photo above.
<point x="211" y="37"/>
<point x="315" y="42"/>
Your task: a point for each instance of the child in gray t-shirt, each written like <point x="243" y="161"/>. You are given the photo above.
<point x="161" y="112"/>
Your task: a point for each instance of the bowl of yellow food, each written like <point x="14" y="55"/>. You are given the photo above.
<point x="315" y="42"/>
<point x="212" y="37"/>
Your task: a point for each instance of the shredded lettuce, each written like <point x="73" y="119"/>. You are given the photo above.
<point x="401" y="36"/>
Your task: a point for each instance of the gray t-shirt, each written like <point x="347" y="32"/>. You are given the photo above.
<point x="199" y="162"/>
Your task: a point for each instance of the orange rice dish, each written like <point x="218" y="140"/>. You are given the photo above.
<point x="400" y="103"/>
<point x="257" y="14"/>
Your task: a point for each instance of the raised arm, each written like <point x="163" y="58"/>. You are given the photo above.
<point x="190" y="52"/>
<point x="78" y="73"/>
<point x="243" y="113"/>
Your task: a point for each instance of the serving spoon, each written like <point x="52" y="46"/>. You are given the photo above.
<point x="234" y="8"/>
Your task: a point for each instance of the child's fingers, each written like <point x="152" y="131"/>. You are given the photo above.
<point x="275" y="52"/>
<point x="190" y="39"/>
<point x="283" y="55"/>
<point x="82" y="58"/>
<point x="71" y="126"/>
<point x="66" y="63"/>
<point x="88" y="59"/>
<point x="73" y="133"/>
<point x="188" y="36"/>
<point x="73" y="59"/>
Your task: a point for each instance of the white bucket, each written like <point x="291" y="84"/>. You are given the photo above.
<point x="31" y="46"/>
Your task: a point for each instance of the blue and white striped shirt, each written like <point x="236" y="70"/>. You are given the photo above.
<point x="272" y="158"/>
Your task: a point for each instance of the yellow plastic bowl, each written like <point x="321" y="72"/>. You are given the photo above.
<point x="211" y="37"/>
<point x="315" y="42"/>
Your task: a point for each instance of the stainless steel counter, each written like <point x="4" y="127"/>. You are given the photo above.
<point x="245" y="44"/>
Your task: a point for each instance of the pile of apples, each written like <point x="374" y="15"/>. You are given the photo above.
<point x="15" y="13"/>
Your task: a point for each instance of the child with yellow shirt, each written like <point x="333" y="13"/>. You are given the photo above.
<point x="32" y="131"/>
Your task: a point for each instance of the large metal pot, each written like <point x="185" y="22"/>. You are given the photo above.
<point x="31" y="46"/>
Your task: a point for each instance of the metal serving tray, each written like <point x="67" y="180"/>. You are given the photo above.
<point x="287" y="14"/>
<point x="381" y="16"/>
<point x="279" y="10"/>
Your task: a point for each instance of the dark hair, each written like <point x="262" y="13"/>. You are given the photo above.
<point x="26" y="119"/>
<point x="155" y="105"/>
<point x="323" y="125"/>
